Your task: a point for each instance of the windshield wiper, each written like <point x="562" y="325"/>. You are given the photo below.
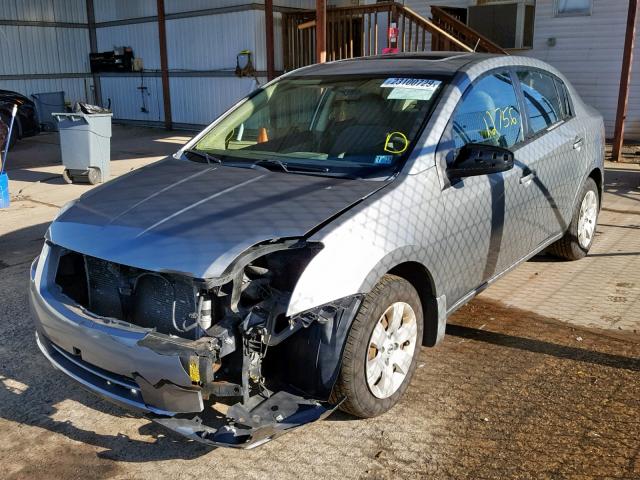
<point x="205" y="155"/>
<point x="285" y="167"/>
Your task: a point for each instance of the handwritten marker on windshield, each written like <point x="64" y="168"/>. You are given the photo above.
<point x="262" y="135"/>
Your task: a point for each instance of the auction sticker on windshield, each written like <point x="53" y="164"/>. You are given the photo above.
<point x="414" y="83"/>
<point x="411" y="88"/>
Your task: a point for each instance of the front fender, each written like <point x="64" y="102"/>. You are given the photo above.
<point x="401" y="223"/>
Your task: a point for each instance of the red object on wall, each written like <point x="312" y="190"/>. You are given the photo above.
<point x="392" y="35"/>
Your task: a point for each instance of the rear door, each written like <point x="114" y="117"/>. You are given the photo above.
<point x="553" y="148"/>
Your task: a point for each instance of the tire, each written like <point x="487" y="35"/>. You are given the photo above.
<point x="571" y="246"/>
<point x="94" y="175"/>
<point x="352" y="384"/>
<point x="66" y="176"/>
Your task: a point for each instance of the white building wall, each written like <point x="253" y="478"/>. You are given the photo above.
<point x="588" y="50"/>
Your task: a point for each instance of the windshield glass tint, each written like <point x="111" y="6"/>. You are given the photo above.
<point x="357" y="126"/>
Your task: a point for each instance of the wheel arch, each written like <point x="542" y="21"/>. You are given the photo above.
<point x="596" y="175"/>
<point x="421" y="279"/>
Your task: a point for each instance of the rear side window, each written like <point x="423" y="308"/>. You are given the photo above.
<point x="489" y="113"/>
<point x="542" y="100"/>
<point x="565" y="103"/>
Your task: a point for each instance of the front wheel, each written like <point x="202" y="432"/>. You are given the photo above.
<point x="381" y="351"/>
<point x="578" y="239"/>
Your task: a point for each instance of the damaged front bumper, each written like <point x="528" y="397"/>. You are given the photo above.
<point x="131" y="367"/>
<point x="237" y="428"/>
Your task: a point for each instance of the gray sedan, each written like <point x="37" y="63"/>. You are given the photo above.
<point x="293" y="257"/>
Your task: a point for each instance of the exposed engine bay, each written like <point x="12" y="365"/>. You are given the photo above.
<point x="265" y="372"/>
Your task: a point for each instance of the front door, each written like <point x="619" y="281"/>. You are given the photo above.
<point x="485" y="214"/>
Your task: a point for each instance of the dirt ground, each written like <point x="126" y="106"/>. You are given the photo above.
<point x="508" y="394"/>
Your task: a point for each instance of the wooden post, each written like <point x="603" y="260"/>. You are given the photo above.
<point x="321" y="31"/>
<point x="268" y="28"/>
<point x="164" y="65"/>
<point x="625" y="79"/>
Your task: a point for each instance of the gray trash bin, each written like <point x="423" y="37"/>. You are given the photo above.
<point x="85" y="144"/>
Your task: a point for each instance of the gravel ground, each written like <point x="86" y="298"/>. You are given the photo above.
<point x="507" y="395"/>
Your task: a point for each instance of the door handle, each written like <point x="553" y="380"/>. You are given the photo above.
<point x="578" y="143"/>
<point x="526" y="180"/>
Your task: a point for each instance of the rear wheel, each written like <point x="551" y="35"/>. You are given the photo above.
<point x="577" y="240"/>
<point x="381" y="351"/>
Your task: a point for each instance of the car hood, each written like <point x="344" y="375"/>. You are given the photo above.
<point x="195" y="219"/>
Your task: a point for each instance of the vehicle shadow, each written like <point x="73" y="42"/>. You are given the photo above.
<point x="544" y="347"/>
<point x="29" y="405"/>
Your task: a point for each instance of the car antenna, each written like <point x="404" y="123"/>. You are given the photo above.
<point x="476" y="47"/>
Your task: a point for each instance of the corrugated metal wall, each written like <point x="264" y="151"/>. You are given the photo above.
<point x="75" y="89"/>
<point x="113" y="10"/>
<point x="47" y="57"/>
<point x="43" y="50"/>
<point x="73" y="11"/>
<point x="130" y="96"/>
<point x="211" y="42"/>
<point x="142" y="37"/>
<point x="201" y="50"/>
<point x="199" y="100"/>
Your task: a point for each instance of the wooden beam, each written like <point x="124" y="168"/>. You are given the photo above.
<point x="268" y="24"/>
<point x="305" y="25"/>
<point x="164" y="65"/>
<point x="321" y="31"/>
<point x="625" y="80"/>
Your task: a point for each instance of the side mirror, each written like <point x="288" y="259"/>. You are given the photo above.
<point x="479" y="159"/>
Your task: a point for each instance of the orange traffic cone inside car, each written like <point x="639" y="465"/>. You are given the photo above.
<point x="262" y="135"/>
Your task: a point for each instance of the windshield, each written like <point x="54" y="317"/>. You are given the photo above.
<point x="341" y="126"/>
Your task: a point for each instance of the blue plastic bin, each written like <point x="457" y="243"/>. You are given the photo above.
<point x="4" y="191"/>
<point x="46" y="105"/>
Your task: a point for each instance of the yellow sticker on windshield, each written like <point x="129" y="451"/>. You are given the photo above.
<point x="396" y="143"/>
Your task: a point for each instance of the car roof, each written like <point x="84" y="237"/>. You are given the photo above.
<point x="420" y="63"/>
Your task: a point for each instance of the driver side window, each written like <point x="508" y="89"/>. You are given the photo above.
<point x="489" y="113"/>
